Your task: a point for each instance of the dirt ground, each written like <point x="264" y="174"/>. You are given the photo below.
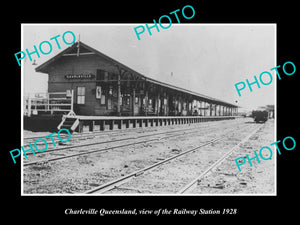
<point x="258" y="179"/>
<point x="78" y="174"/>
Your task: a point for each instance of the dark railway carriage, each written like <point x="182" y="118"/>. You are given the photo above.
<point x="260" y="116"/>
<point x="101" y="86"/>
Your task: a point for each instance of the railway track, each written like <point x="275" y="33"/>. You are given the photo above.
<point x="192" y="184"/>
<point x="180" y="132"/>
<point x="112" y="133"/>
<point x="93" y="134"/>
<point x="80" y="137"/>
<point x="133" y="176"/>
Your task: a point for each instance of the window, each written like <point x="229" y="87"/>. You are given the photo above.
<point x="80" y="95"/>
<point x="102" y="75"/>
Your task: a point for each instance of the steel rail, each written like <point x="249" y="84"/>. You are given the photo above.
<point x="98" y="133"/>
<point x="103" y="149"/>
<point x="112" y="184"/>
<point x="111" y="141"/>
<point x="124" y="179"/>
<point x="115" y="183"/>
<point x="195" y="182"/>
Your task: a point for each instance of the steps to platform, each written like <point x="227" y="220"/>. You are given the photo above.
<point x="69" y="122"/>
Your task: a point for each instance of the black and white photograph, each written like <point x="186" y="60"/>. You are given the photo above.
<point x="127" y="110"/>
<point x="183" y="111"/>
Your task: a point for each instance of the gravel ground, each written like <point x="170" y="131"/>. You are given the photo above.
<point x="81" y="173"/>
<point x="169" y="178"/>
<point x="258" y="179"/>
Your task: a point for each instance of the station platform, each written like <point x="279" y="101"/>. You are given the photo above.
<point x="96" y="123"/>
<point x="81" y="123"/>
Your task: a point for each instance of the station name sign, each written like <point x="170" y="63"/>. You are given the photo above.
<point x="79" y="76"/>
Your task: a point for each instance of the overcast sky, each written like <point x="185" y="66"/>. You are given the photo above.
<point x="205" y="58"/>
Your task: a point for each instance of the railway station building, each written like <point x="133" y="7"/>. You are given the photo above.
<point x="89" y="88"/>
<point x="102" y="86"/>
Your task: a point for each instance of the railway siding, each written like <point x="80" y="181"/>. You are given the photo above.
<point x="259" y="179"/>
<point x="79" y="174"/>
<point x="170" y="177"/>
